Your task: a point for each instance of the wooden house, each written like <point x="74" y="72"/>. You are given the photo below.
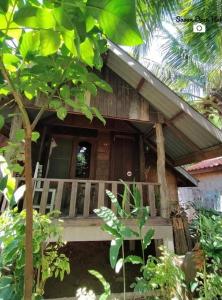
<point x="149" y="133"/>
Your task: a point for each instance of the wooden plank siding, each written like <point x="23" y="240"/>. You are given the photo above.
<point x="125" y="102"/>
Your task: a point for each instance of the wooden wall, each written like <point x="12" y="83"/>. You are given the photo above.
<point x="151" y="176"/>
<point x="125" y="102"/>
<point x="103" y="156"/>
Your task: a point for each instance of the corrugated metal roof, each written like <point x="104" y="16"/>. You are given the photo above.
<point x="205" y="164"/>
<point x="198" y="134"/>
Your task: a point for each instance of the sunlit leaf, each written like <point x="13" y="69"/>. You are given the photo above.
<point x="87" y="52"/>
<point x="30" y="42"/>
<point x="114" y="251"/>
<point x="117" y="18"/>
<point x="49" y="42"/>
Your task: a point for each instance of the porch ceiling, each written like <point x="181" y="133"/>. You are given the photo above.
<point x="188" y="135"/>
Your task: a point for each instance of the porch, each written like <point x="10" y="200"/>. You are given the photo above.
<point x="76" y="200"/>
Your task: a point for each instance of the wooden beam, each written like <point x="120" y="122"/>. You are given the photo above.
<point x="140" y="84"/>
<point x="200" y="155"/>
<point x="176" y="116"/>
<point x="161" y="172"/>
<point x="182" y="136"/>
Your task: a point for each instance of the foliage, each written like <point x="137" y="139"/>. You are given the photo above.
<point x="48" y="262"/>
<point x="208" y="281"/>
<point x="191" y="62"/>
<point x="120" y="232"/>
<point x="162" y="274"/>
<point x="47" y="52"/>
<point x="106" y="285"/>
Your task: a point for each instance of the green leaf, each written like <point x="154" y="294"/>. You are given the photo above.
<point x="108" y="217"/>
<point x="134" y="259"/>
<point x="61" y="113"/>
<point x="87" y="52"/>
<point x="30" y="43"/>
<point x="3" y="183"/>
<point x="106" y="285"/>
<point x="119" y="265"/>
<point x="19" y="193"/>
<point x="110" y="230"/>
<point x="4" y="5"/>
<point x="89" y="86"/>
<point x="10" y="61"/>
<point x="49" y="42"/>
<point x="68" y="38"/>
<point x="194" y="285"/>
<point x="20" y="135"/>
<point x="98" y="115"/>
<point x="114" y="251"/>
<point x="100" y="83"/>
<point x="65" y="91"/>
<point x="35" y="136"/>
<point x="26" y="16"/>
<point x="2" y="121"/>
<point x="87" y="112"/>
<point x="34" y="17"/>
<point x="117" y="19"/>
<point x="62" y="18"/>
<point x="55" y="104"/>
<point x="148" y="237"/>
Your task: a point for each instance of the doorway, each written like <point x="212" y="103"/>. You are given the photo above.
<point x="125" y="158"/>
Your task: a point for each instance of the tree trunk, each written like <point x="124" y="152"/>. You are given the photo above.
<point x="28" y="276"/>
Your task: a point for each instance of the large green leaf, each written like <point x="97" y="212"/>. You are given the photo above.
<point x="30" y="42"/>
<point x="33" y="17"/>
<point x="49" y="42"/>
<point x="114" y="251"/>
<point x="134" y="259"/>
<point x="117" y="19"/>
<point x="4" y="5"/>
<point x="87" y="52"/>
<point x="68" y="38"/>
<point x="148" y="237"/>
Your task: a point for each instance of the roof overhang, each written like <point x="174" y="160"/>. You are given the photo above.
<point x="188" y="135"/>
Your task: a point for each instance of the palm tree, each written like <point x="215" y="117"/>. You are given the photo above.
<point x="191" y="62"/>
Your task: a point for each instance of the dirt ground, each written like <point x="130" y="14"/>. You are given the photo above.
<point x="86" y="256"/>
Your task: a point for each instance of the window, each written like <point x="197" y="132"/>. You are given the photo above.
<point x="83" y="160"/>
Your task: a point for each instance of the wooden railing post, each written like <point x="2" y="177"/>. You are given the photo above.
<point x="43" y="202"/>
<point x="72" y="205"/>
<point x="58" y="199"/>
<point x="101" y="194"/>
<point x="87" y="200"/>
<point x="161" y="171"/>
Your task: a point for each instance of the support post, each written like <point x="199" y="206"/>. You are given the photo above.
<point x="161" y="172"/>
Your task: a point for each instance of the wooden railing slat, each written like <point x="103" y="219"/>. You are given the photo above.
<point x="44" y="197"/>
<point x="58" y="198"/>
<point x="127" y="204"/>
<point x="72" y="206"/>
<point x="140" y="189"/>
<point x="114" y="191"/>
<point x="101" y="194"/>
<point x="152" y="200"/>
<point x="87" y="200"/>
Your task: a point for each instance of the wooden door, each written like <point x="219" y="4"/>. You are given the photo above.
<point x="125" y="163"/>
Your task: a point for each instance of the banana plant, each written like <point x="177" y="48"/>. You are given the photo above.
<point x="114" y="225"/>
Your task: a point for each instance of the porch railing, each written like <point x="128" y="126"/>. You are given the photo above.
<point x="78" y="198"/>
